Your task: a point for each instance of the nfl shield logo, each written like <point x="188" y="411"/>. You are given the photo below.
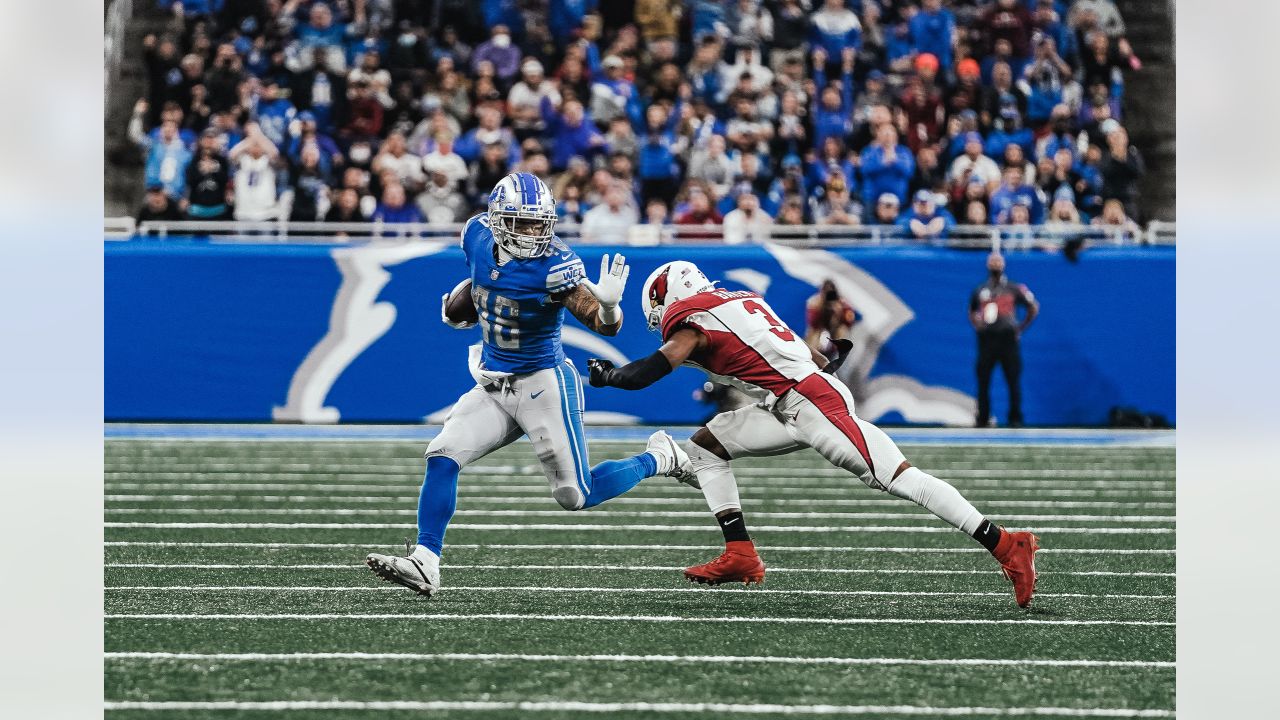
<point x="493" y="274"/>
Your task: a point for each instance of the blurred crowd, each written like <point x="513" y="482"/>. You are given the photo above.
<point x="915" y="115"/>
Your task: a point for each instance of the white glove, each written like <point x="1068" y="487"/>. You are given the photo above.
<point x="444" y="316"/>
<point x="608" y="291"/>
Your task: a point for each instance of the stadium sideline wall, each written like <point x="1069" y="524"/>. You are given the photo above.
<point x="205" y="331"/>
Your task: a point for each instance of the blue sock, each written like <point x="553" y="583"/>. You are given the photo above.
<point x="437" y="501"/>
<point x="611" y="478"/>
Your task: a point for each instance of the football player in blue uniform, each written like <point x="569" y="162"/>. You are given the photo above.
<point x="523" y="278"/>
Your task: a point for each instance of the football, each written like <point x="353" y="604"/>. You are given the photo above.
<point x="459" y="307"/>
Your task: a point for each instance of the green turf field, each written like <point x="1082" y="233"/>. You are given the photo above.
<point x="234" y="583"/>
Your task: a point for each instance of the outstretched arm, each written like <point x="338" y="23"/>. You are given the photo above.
<point x="649" y="370"/>
<point x="584" y="306"/>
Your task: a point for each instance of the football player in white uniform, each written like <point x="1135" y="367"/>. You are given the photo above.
<point x="737" y="339"/>
<point x="522" y="280"/>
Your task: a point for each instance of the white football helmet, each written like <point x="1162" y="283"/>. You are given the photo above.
<point x="668" y="284"/>
<point x="522" y="215"/>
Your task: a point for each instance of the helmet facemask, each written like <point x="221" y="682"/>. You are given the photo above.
<point x="524" y="234"/>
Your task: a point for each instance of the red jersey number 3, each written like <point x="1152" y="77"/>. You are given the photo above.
<point x="777" y="328"/>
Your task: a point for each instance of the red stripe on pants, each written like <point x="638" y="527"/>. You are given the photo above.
<point x="832" y="404"/>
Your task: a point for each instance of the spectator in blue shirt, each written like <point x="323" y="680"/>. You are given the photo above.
<point x="832" y="107"/>
<point x="571" y="133"/>
<point x="274" y="113"/>
<point x="933" y="31"/>
<point x="320" y="32"/>
<point x="657" y="169"/>
<point x="1008" y="131"/>
<point x="835" y="28"/>
<point x="1048" y="21"/>
<point x="926" y="220"/>
<point x="500" y="51"/>
<point x="831" y="159"/>
<point x="1013" y="190"/>
<point x="394" y="208"/>
<point x="886" y="166"/>
<point x="565" y="16"/>
<point x="167" y="161"/>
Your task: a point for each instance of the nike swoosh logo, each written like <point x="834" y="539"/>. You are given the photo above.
<point x="534" y="396"/>
<point x="732" y="521"/>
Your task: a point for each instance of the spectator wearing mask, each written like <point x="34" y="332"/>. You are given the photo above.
<point x="167" y="161"/>
<point x="1011" y="190"/>
<point x="886" y="166"/>
<point x="208" y="177"/>
<point x="747" y="222"/>
<point x="925" y="220"/>
<point x="254" y="160"/>
<point x="394" y="207"/>
<point x="609" y="221"/>
<point x="993" y="312"/>
<point x="501" y="52"/>
<point x="828" y="317"/>
<point x="158" y="206"/>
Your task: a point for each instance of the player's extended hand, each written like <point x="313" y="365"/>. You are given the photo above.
<point x="608" y="290"/>
<point x="843" y="346"/>
<point x="599" y="372"/>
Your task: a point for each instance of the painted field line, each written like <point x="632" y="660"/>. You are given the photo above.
<point x="508" y="500"/>
<point x="816" y="515"/>
<point x="628" y="707"/>
<point x="629" y="568"/>
<point x="689" y="659"/>
<point x="238" y="470"/>
<point x="613" y="527"/>
<point x="628" y="590"/>
<point x="594" y="547"/>
<point x="539" y="489"/>
<point x="793" y="481"/>
<point x="630" y="618"/>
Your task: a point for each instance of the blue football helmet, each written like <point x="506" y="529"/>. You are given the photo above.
<point x="522" y="215"/>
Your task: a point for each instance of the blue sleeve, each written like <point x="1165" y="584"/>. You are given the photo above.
<point x="472" y="234"/>
<point x="853" y="39"/>
<point x="846" y="93"/>
<point x="564" y="270"/>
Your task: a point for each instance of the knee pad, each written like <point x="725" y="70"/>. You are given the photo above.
<point x="569" y="497"/>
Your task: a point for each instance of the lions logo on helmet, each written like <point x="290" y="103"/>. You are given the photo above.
<point x="668" y="285"/>
<point x="522" y="215"/>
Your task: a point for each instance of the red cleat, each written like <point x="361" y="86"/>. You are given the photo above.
<point x="1016" y="552"/>
<point x="738" y="563"/>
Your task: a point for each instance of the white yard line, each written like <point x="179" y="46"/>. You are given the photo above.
<point x="690" y="659"/>
<point x="596" y="547"/>
<point x="538" y="488"/>
<point x="627" y="707"/>
<point x="627" y="590"/>
<point x="616" y="527"/>
<point x="625" y="500"/>
<point x="630" y="618"/>
<point x="628" y="568"/>
<point x="817" y="515"/>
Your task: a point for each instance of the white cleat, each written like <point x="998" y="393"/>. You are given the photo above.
<point x="419" y="570"/>
<point x="673" y="461"/>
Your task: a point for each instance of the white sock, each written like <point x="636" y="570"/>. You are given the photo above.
<point x="936" y="496"/>
<point x="425" y="556"/>
<point x="718" y="484"/>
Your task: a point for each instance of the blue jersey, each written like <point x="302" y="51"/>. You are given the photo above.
<point x="519" y="319"/>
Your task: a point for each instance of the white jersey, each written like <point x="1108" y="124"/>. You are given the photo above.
<point x="255" y="188"/>
<point x="748" y="346"/>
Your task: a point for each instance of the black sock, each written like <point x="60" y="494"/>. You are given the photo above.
<point x="988" y="534"/>
<point x="734" y="526"/>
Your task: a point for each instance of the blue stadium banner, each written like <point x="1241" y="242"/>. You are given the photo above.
<point x="206" y="331"/>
